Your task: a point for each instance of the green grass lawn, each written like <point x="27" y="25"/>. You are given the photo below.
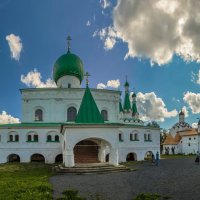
<point x="25" y="181"/>
<point x="177" y="156"/>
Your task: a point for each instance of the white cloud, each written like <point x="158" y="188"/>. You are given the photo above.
<point x="108" y="35"/>
<point x="195" y="77"/>
<point x="33" y="79"/>
<point x="157" y="29"/>
<point x="105" y="3"/>
<point x="194" y="125"/>
<point x="101" y="86"/>
<point x="185" y="110"/>
<point x="15" y="45"/>
<point x="151" y="107"/>
<point x="193" y="100"/>
<point x="110" y="83"/>
<point x="88" y="23"/>
<point x="8" y="119"/>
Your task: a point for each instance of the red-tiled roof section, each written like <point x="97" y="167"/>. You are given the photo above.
<point x="170" y="140"/>
<point x="189" y="132"/>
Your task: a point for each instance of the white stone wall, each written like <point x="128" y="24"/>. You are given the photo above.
<point x="190" y="144"/>
<point x="55" y="102"/>
<point x="66" y="81"/>
<point x="25" y="149"/>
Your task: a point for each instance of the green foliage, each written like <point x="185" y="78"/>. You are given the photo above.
<point x="71" y="194"/>
<point x="25" y="181"/>
<point x="155" y="196"/>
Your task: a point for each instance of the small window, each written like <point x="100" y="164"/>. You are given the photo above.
<point x="136" y="136"/>
<point x="145" y="137"/>
<point x="35" y="138"/>
<point x="16" y="138"/>
<point x="69" y="85"/>
<point x="189" y="138"/>
<point x="189" y="144"/>
<point x="194" y="138"/>
<point x="49" y="138"/>
<point x="38" y="115"/>
<point x="120" y="137"/>
<point x="104" y="115"/>
<point x="131" y="137"/>
<point x="29" y="138"/>
<point x="57" y="138"/>
<point x="71" y="114"/>
<point x="149" y="137"/>
<point x="10" y="138"/>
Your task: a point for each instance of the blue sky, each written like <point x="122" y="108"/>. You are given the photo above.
<point x="103" y="32"/>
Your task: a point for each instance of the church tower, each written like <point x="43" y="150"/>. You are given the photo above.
<point x="68" y="70"/>
<point x="135" y="113"/>
<point x="181" y="116"/>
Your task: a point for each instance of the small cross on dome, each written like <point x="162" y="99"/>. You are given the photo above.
<point x="87" y="81"/>
<point x="68" y="43"/>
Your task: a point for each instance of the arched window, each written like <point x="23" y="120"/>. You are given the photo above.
<point x="145" y="137"/>
<point x="131" y="137"/>
<point x="29" y="138"/>
<point x="16" y="138"/>
<point x="136" y="136"/>
<point x="35" y="138"/>
<point x="71" y="114"/>
<point x="121" y="139"/>
<point x="10" y="138"/>
<point x="38" y="115"/>
<point x="149" y="137"/>
<point x="49" y="138"/>
<point x="57" y="138"/>
<point x="104" y="115"/>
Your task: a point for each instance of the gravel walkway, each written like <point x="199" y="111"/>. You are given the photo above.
<point x="175" y="178"/>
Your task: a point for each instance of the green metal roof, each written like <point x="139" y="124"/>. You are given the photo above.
<point x="127" y="103"/>
<point x="134" y="108"/>
<point x="126" y="84"/>
<point x="88" y="111"/>
<point x="68" y="64"/>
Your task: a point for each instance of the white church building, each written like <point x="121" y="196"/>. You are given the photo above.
<point x="182" y="138"/>
<point x="72" y="125"/>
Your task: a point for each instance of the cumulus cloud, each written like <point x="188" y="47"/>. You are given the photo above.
<point x="88" y="23"/>
<point x="8" y="119"/>
<point x="195" y="77"/>
<point x="33" y="79"/>
<point x="157" y="29"/>
<point x="108" y="35"/>
<point x="151" y="107"/>
<point x="105" y="3"/>
<point x="15" y="45"/>
<point x="185" y="110"/>
<point x="111" y="84"/>
<point x="193" y="100"/>
<point x="194" y="125"/>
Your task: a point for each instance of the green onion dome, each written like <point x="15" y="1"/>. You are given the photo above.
<point x="68" y="64"/>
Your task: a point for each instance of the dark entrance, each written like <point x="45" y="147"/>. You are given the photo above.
<point x="59" y="158"/>
<point x="130" y="157"/>
<point x="37" y="158"/>
<point x="13" y="158"/>
<point x="86" y="151"/>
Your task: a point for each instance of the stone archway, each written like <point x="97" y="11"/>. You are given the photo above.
<point x="59" y="158"/>
<point x="86" y="151"/>
<point x="37" y="158"/>
<point x="131" y="157"/>
<point x="13" y="158"/>
<point x="148" y="155"/>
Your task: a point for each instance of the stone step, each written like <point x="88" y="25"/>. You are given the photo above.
<point x="91" y="169"/>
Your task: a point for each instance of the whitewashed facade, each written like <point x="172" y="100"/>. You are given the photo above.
<point x="47" y="131"/>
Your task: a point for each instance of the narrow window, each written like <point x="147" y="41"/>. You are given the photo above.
<point x="10" y="138"/>
<point x="38" y="115"/>
<point x="120" y="137"/>
<point x="104" y="115"/>
<point x="49" y="138"/>
<point x="69" y="85"/>
<point x="71" y="114"/>
<point x="57" y="138"/>
<point x="149" y="137"/>
<point x="136" y="136"/>
<point x="131" y="137"/>
<point x="35" y="138"/>
<point x="145" y="137"/>
<point x="29" y="138"/>
<point x="16" y="138"/>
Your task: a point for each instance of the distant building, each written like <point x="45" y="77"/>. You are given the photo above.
<point x="73" y="125"/>
<point x="182" y="138"/>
